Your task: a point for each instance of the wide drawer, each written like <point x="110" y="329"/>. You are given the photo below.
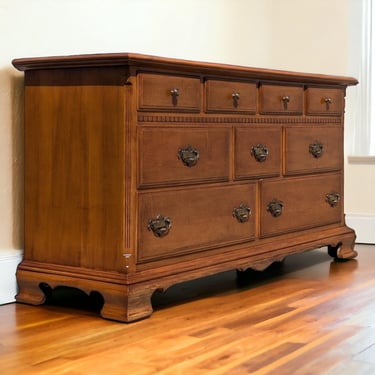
<point x="314" y="149"/>
<point x="169" y="156"/>
<point x="293" y="204"/>
<point x="230" y="96"/>
<point x="281" y="99"/>
<point x="324" y="101"/>
<point x="185" y="221"/>
<point x="169" y="93"/>
<point x="257" y="152"/>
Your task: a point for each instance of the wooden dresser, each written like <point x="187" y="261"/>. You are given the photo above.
<point x="142" y="172"/>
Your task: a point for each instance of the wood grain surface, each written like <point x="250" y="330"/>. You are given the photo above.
<point x="307" y="315"/>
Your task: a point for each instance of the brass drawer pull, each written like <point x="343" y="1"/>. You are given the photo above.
<point x="285" y="99"/>
<point x="333" y="198"/>
<point x="260" y="152"/>
<point x="236" y="96"/>
<point x="188" y="155"/>
<point x="160" y="225"/>
<point x="316" y="149"/>
<point x="242" y="213"/>
<point x="174" y="92"/>
<point x="275" y="207"/>
<point x="327" y="101"/>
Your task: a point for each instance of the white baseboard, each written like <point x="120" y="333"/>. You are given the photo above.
<point x="364" y="226"/>
<point x="9" y="260"/>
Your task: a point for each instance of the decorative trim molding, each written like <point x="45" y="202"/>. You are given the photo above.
<point x="364" y="227"/>
<point x="9" y="260"/>
<point x="239" y="120"/>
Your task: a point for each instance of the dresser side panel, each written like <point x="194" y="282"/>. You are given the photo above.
<point x="74" y="175"/>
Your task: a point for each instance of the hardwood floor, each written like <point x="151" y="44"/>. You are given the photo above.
<point x="309" y="315"/>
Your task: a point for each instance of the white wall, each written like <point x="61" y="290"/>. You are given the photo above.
<point x="301" y="35"/>
<point x="359" y="174"/>
<point x="310" y="35"/>
<point x="326" y="38"/>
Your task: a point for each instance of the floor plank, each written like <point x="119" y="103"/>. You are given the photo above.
<point x="309" y="315"/>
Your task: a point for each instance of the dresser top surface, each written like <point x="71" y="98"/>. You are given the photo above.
<point x="156" y="63"/>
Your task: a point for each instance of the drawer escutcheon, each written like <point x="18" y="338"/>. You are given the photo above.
<point x="242" y="213"/>
<point x="316" y="149"/>
<point x="188" y="155"/>
<point x="275" y="207"/>
<point x="333" y="198"/>
<point x="160" y="225"/>
<point x="260" y="152"/>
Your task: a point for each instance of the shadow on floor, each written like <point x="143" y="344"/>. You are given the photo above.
<point x="207" y="286"/>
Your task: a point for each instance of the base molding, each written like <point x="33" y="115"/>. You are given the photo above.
<point x="127" y="298"/>
<point x="9" y="260"/>
<point x="364" y="227"/>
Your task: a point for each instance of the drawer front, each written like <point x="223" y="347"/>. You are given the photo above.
<point x="300" y="203"/>
<point x="169" y="93"/>
<point x="178" y="222"/>
<point x="324" y="101"/>
<point x="170" y="156"/>
<point x="275" y="99"/>
<point x="257" y="152"/>
<point x="313" y="149"/>
<point x="228" y="96"/>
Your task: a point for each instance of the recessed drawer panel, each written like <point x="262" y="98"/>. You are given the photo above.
<point x="229" y="96"/>
<point x="170" y="156"/>
<point x="313" y="149"/>
<point x="178" y="222"/>
<point x="300" y="203"/>
<point x="276" y="99"/>
<point x="257" y="152"/>
<point x="324" y="101"/>
<point x="169" y="93"/>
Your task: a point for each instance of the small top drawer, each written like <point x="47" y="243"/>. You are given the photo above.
<point x="229" y="96"/>
<point x="324" y="101"/>
<point x="277" y="99"/>
<point x="159" y="92"/>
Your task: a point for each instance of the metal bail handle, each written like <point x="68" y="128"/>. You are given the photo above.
<point x="275" y="207"/>
<point x="333" y="198"/>
<point x="316" y="149"/>
<point x="242" y="213"/>
<point x="188" y="155"/>
<point x="260" y="152"/>
<point x="160" y="225"/>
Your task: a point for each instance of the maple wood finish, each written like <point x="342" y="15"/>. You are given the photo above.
<point x="142" y="172"/>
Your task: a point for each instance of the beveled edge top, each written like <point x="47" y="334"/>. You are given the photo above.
<point x="172" y="64"/>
